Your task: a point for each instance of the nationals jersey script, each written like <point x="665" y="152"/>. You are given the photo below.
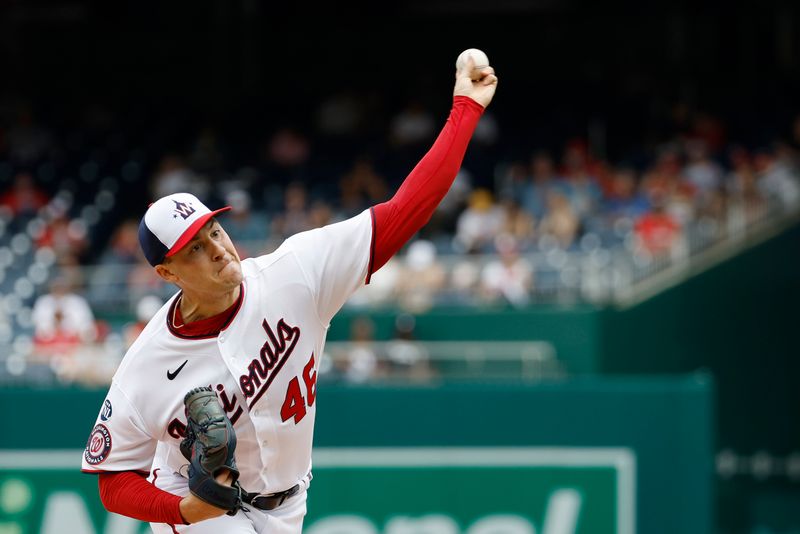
<point x="263" y="366"/>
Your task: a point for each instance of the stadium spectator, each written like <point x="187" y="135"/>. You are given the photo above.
<point x="69" y="339"/>
<point x="560" y="221"/>
<point x="24" y="198"/>
<point x="701" y="171"/>
<point x="362" y="362"/>
<point x="742" y="187"/>
<point x="421" y="278"/>
<point x="463" y="283"/>
<point x="777" y="180"/>
<point x="479" y="223"/>
<point x="624" y="198"/>
<point x="656" y="231"/>
<point x="696" y="192"/>
<point x="665" y="174"/>
<point x="518" y="223"/>
<point x="682" y="202"/>
<point x="61" y="233"/>
<point x="543" y="179"/>
<point x="508" y="278"/>
<point x="581" y="175"/>
<point x="63" y="320"/>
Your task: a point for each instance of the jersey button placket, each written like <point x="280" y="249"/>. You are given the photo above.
<point x="228" y="354"/>
<point x="265" y="428"/>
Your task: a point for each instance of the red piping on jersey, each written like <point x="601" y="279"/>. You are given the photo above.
<point x="398" y="219"/>
<point x="371" y="247"/>
<point x="99" y="471"/>
<point x="207" y="328"/>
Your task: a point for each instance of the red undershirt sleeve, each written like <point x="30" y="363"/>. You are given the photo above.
<point x="130" y="494"/>
<point x="412" y="206"/>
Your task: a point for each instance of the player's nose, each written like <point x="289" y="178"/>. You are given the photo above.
<point x="217" y="251"/>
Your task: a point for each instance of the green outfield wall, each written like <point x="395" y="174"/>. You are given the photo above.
<point x="738" y="321"/>
<point x="587" y="456"/>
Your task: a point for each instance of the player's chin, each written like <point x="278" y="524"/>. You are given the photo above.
<point x="232" y="273"/>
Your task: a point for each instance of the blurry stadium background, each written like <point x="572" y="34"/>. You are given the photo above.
<point x="596" y="333"/>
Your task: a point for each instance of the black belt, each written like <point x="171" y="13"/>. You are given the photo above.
<point x="271" y="501"/>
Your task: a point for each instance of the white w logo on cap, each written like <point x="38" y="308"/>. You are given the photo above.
<point x="183" y="209"/>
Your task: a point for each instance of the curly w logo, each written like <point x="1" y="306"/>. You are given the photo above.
<point x="183" y="209"/>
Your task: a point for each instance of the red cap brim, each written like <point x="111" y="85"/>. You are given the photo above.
<point x="192" y="230"/>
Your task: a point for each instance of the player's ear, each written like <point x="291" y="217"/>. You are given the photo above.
<point x="164" y="271"/>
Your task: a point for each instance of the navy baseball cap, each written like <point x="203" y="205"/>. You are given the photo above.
<point x="170" y="223"/>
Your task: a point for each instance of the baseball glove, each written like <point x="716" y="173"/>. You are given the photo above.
<point x="209" y="445"/>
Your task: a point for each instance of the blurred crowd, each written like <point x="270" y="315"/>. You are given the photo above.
<point x="70" y="203"/>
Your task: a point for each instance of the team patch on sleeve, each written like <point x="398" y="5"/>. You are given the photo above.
<point x="99" y="445"/>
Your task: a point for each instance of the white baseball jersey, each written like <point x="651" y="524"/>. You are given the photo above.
<point x="263" y="365"/>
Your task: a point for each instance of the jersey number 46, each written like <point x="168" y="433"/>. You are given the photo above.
<point x="294" y="405"/>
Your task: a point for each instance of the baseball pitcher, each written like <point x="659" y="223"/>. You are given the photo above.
<point x="208" y="424"/>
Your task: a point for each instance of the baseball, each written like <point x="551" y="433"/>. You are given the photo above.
<point x="478" y="56"/>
